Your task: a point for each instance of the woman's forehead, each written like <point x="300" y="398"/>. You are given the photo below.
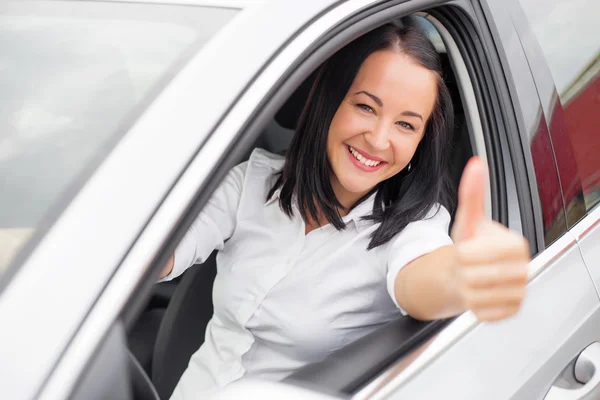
<point x="388" y="73"/>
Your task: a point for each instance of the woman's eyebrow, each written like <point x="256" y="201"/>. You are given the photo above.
<point x="412" y="114"/>
<point x="375" y="98"/>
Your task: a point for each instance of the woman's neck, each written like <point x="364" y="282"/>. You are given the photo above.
<point x="344" y="197"/>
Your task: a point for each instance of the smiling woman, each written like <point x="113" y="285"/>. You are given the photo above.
<point x="325" y="245"/>
<point x="393" y="107"/>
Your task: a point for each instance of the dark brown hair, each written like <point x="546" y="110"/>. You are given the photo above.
<point x="401" y="199"/>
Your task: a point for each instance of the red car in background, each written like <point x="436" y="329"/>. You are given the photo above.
<point x="576" y="149"/>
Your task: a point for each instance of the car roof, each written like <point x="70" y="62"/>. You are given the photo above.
<point x="241" y="4"/>
<point x="209" y="3"/>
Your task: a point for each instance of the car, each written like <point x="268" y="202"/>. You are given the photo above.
<point x="118" y="119"/>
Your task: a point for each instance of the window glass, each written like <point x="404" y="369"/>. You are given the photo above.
<point x="70" y="74"/>
<point x="567" y="31"/>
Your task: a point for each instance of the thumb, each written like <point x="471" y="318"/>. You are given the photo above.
<point x="471" y="200"/>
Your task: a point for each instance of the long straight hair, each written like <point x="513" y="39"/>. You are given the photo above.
<point x="399" y="200"/>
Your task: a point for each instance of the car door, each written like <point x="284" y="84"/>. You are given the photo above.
<point x="532" y="353"/>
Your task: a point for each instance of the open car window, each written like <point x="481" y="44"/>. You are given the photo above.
<point x="353" y="366"/>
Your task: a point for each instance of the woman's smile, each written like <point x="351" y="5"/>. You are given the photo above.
<point x="364" y="160"/>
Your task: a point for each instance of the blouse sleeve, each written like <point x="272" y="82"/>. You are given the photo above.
<point x="417" y="239"/>
<point x="214" y="225"/>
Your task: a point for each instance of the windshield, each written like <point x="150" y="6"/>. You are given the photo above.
<point x="70" y="74"/>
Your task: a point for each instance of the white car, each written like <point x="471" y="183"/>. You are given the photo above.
<point x="119" y="118"/>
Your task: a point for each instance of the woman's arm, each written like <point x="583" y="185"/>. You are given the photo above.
<point x="484" y="271"/>
<point x="213" y="226"/>
<point x="487" y="275"/>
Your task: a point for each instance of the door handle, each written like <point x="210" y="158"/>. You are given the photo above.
<point x="587" y="371"/>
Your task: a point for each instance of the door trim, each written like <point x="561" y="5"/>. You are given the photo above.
<point x="402" y="372"/>
<point x="588" y="223"/>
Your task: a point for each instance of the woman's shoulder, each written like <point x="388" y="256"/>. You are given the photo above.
<point x="261" y="158"/>
<point x="263" y="165"/>
<point x="425" y="234"/>
<point x="437" y="219"/>
<point x="260" y="172"/>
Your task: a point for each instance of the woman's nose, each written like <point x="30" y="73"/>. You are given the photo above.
<point x="378" y="138"/>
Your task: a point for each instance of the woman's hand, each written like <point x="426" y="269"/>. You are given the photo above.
<point x="490" y="269"/>
<point x="168" y="267"/>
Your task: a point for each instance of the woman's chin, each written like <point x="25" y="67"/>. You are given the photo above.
<point x="357" y="189"/>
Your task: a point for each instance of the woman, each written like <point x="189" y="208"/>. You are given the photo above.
<point x="348" y="230"/>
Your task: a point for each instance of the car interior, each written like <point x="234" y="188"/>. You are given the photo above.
<point x="171" y="328"/>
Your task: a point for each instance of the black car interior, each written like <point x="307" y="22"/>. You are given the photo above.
<point x="172" y="327"/>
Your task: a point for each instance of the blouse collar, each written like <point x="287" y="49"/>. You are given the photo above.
<point x="355" y="215"/>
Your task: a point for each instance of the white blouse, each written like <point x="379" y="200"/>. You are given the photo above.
<point x="283" y="299"/>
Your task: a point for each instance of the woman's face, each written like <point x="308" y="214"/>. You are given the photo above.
<point x="376" y="129"/>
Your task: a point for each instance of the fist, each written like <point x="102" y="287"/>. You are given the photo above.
<point x="490" y="269"/>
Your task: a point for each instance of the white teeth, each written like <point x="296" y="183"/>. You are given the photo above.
<point x="363" y="160"/>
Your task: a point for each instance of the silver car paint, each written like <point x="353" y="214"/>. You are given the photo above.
<point x="587" y="232"/>
<point x="58" y="260"/>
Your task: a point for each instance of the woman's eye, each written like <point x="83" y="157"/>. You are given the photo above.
<point x="406" y="125"/>
<point x="365" y="107"/>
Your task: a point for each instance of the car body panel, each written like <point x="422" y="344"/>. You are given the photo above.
<point x="587" y="232"/>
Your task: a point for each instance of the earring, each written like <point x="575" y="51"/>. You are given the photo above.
<point x="408" y="167"/>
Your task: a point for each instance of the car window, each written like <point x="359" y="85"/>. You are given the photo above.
<point x="567" y="32"/>
<point x="71" y="74"/>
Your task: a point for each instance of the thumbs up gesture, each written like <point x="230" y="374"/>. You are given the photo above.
<point x="490" y="271"/>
